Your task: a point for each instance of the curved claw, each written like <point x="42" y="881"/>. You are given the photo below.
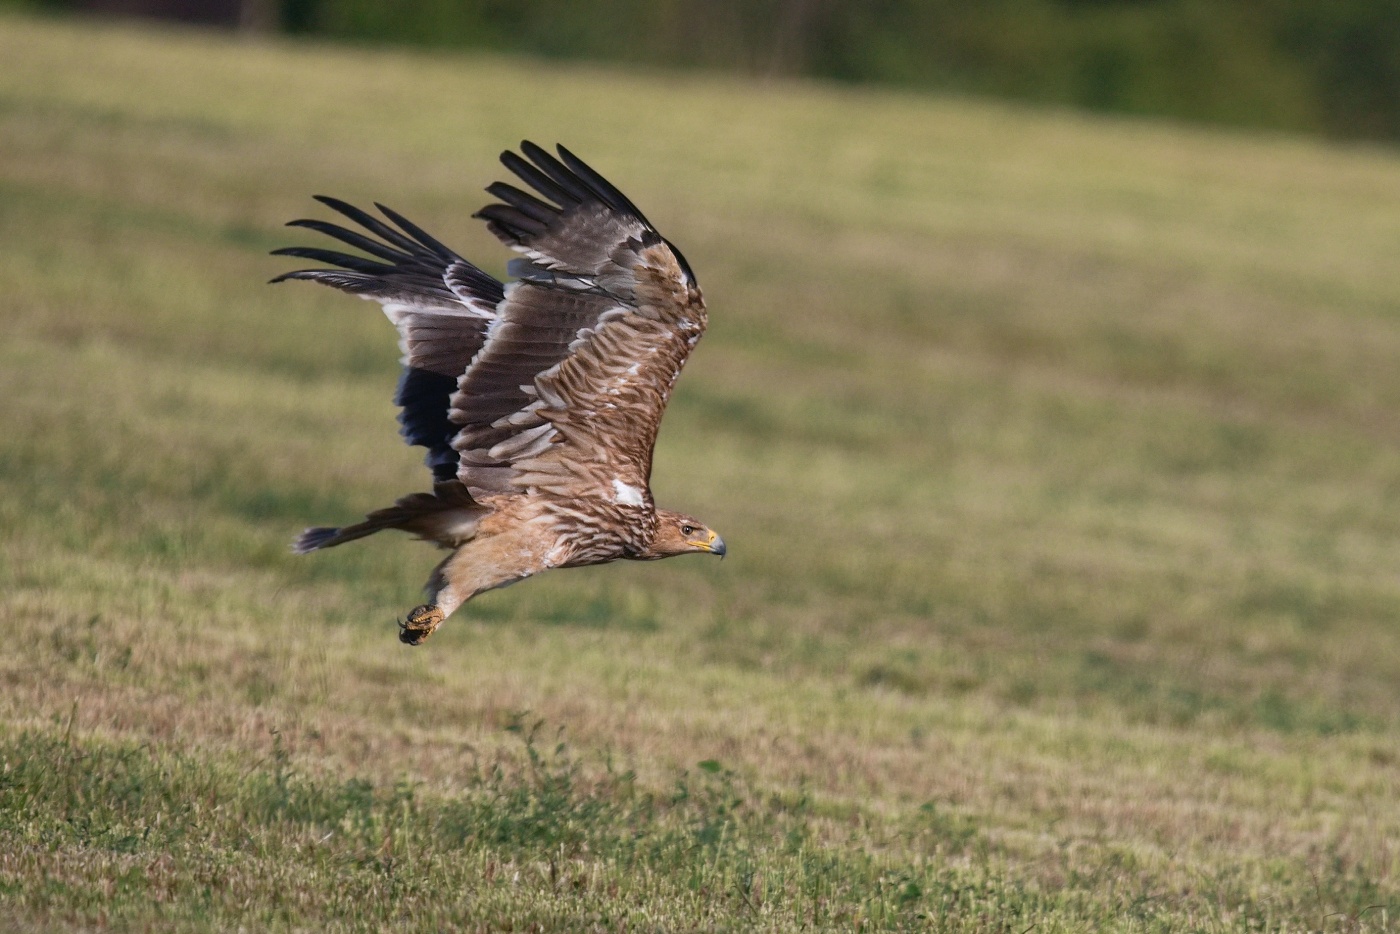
<point x="420" y="623"/>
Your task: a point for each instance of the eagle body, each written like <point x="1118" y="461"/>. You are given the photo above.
<point x="538" y="401"/>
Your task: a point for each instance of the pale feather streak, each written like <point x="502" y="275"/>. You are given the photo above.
<point x="624" y="494"/>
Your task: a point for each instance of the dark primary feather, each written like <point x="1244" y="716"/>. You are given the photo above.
<point x="596" y="183"/>
<point x="537" y="179"/>
<point x="377" y="227"/>
<point x="367" y="268"/>
<point x="411" y="267"/>
<point x="358" y="241"/>
<point x="418" y="233"/>
<point x="572" y="185"/>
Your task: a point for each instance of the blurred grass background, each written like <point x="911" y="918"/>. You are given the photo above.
<point x="1056" y="454"/>
<point x="1321" y="66"/>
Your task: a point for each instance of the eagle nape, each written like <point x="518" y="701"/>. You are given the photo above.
<point x="538" y="405"/>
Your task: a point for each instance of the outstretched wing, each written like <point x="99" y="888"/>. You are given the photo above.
<point x="569" y="388"/>
<point x="555" y="382"/>
<point x="441" y="304"/>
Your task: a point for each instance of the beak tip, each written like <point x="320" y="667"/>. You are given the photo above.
<point x="717" y="547"/>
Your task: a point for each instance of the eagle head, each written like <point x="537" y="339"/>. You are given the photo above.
<point x="679" y="534"/>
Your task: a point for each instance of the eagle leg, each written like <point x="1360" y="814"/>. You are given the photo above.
<point x="485" y="563"/>
<point x="420" y="623"/>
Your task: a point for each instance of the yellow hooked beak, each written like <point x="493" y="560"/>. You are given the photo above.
<point x="713" y="544"/>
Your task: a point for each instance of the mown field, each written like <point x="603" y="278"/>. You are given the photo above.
<point x="1058" y="459"/>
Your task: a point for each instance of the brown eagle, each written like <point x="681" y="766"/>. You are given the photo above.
<point x="538" y="400"/>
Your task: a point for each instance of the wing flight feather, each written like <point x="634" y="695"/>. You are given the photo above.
<point x="441" y="304"/>
<point x="589" y="341"/>
<point x="557" y="381"/>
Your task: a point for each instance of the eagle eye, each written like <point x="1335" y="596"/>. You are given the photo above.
<point x="688" y="530"/>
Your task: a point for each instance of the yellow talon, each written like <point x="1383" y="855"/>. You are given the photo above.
<point x="420" y="623"/>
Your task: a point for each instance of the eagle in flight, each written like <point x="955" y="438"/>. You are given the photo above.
<point x="538" y="400"/>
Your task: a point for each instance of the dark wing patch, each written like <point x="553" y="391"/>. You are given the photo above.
<point x="424" y="398"/>
<point x="407" y="267"/>
<point x="441" y="304"/>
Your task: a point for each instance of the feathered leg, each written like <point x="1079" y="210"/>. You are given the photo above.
<point x="486" y="563"/>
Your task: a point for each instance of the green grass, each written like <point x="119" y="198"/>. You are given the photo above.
<point x="1057" y="458"/>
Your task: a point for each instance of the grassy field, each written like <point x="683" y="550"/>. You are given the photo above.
<point x="1058" y="459"/>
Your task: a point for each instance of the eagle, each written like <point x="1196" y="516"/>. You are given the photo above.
<point x="538" y="400"/>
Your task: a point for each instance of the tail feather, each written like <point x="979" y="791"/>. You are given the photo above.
<point x="311" y="539"/>
<point x="325" y="537"/>
<point x="446" y="516"/>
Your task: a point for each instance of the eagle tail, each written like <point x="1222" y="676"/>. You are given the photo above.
<point x="447" y="516"/>
<point x="324" y="537"/>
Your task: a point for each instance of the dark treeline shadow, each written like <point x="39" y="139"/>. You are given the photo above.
<point x="1323" y="66"/>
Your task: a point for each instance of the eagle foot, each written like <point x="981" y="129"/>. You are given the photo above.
<point x="420" y="623"/>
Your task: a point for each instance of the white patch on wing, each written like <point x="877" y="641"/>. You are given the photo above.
<point x="395" y="308"/>
<point x="627" y="495"/>
<point x="611" y="314"/>
<point x="407" y="315"/>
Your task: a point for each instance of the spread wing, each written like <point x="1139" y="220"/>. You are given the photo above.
<point x="441" y="304"/>
<point x="557" y="381"/>
<point x="571" y="383"/>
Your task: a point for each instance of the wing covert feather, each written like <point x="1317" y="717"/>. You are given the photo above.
<point x="606" y="311"/>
